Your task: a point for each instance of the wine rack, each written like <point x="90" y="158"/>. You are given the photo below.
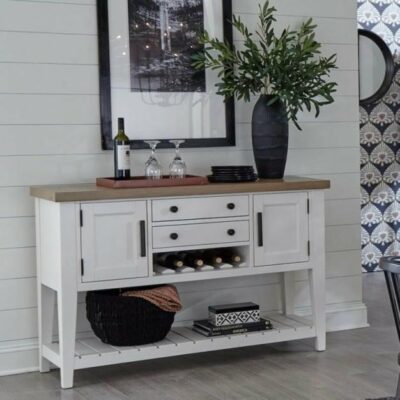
<point x="241" y="251"/>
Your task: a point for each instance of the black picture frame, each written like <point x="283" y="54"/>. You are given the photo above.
<point x="105" y="88"/>
<point x="389" y="63"/>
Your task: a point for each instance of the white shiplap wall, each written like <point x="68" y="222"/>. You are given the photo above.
<point x="49" y="133"/>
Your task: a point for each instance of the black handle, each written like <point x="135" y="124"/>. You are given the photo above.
<point x="260" y="229"/>
<point x="142" y="238"/>
<point x="174" y="236"/>
<point x="231" y="232"/>
<point x="231" y="206"/>
<point x="174" y="209"/>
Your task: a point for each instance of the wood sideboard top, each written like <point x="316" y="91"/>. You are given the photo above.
<point x="91" y="192"/>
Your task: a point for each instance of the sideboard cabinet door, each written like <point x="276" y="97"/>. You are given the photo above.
<point x="281" y="228"/>
<point x="114" y="241"/>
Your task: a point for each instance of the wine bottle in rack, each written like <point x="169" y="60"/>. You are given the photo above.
<point x="213" y="258"/>
<point x="122" y="153"/>
<point x="230" y="256"/>
<point x="172" y="261"/>
<point x="193" y="260"/>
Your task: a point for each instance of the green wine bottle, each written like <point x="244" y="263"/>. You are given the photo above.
<point x="213" y="258"/>
<point x="230" y="256"/>
<point x="192" y="260"/>
<point x="122" y="153"/>
<point x="171" y="261"/>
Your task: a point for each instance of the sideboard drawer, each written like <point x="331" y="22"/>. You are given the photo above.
<point x="200" y="234"/>
<point x="200" y="208"/>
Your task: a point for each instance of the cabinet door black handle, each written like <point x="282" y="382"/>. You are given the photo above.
<point x="174" y="236"/>
<point x="260" y="229"/>
<point x="142" y="238"/>
<point x="174" y="209"/>
<point x="231" y="232"/>
<point x="231" y="206"/>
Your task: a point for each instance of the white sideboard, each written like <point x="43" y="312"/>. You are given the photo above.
<point x="91" y="238"/>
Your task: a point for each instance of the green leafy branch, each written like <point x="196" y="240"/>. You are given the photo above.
<point x="287" y="67"/>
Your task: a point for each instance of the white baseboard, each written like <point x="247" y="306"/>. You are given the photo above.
<point x="342" y="317"/>
<point x="19" y="357"/>
<point x="22" y="356"/>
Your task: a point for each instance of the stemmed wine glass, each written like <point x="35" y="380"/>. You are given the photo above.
<point x="177" y="168"/>
<point x="153" y="168"/>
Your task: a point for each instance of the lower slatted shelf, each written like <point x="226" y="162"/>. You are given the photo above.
<point x="91" y="352"/>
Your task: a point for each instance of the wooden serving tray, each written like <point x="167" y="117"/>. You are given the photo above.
<point x="143" y="182"/>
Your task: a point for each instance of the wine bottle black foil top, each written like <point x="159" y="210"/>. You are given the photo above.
<point x="121" y="124"/>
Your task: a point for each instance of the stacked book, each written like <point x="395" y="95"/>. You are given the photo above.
<point x="230" y="319"/>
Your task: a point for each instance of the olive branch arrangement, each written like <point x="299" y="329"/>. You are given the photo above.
<point x="286" y="67"/>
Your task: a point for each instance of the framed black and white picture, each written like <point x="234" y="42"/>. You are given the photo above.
<point x="147" y="77"/>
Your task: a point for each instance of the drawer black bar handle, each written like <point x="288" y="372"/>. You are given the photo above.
<point x="231" y="232"/>
<point x="174" y="236"/>
<point x="174" y="209"/>
<point x="260" y="229"/>
<point x="231" y="206"/>
<point x="142" y="238"/>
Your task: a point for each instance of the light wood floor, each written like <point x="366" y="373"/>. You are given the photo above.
<point x="358" y="364"/>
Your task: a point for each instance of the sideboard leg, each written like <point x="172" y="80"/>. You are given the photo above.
<point x="67" y="309"/>
<point x="317" y="289"/>
<point x="46" y="302"/>
<point x="288" y="291"/>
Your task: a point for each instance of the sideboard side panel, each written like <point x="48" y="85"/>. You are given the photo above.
<point x="48" y="243"/>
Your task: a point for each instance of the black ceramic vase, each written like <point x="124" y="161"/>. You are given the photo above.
<point x="270" y="133"/>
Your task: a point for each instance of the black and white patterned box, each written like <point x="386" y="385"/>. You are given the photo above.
<point x="233" y="314"/>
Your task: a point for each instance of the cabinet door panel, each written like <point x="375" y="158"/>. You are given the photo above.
<point x="281" y="228"/>
<point x="113" y="242"/>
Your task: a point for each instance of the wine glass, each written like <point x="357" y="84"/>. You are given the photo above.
<point x="153" y="168"/>
<point x="177" y="169"/>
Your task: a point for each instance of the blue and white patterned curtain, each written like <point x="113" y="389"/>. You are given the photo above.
<point x="380" y="145"/>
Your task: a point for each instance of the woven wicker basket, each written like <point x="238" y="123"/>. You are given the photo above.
<point x="126" y="321"/>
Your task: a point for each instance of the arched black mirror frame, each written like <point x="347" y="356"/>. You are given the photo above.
<point x="390" y="67"/>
